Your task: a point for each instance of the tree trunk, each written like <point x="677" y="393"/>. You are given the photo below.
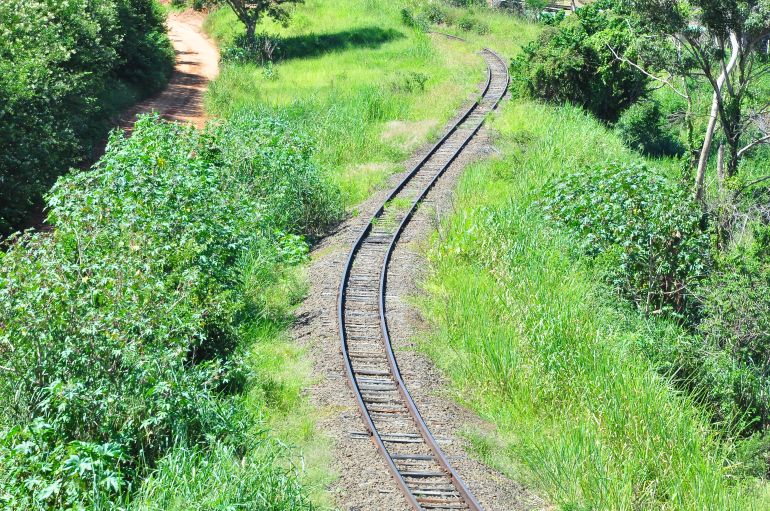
<point x="251" y="29"/>
<point x="721" y="167"/>
<point x="700" y="177"/>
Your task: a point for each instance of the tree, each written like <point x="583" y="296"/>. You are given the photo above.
<point x="721" y="41"/>
<point x="250" y="12"/>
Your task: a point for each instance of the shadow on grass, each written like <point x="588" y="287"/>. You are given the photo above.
<point x="315" y="45"/>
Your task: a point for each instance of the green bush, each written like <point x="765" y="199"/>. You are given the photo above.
<point x="642" y="128"/>
<point x="121" y="327"/>
<point x="60" y="63"/>
<point x="571" y="62"/>
<point x="469" y="23"/>
<point x="436" y="13"/>
<point x="644" y="228"/>
<point x="735" y="326"/>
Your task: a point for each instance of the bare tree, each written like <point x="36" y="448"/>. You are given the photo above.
<point x="251" y="12"/>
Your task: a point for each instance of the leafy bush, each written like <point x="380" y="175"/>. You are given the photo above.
<point x="469" y="23"/>
<point x="571" y="62"/>
<point x="641" y="127"/>
<point x="261" y="49"/>
<point x="121" y="328"/>
<point x="59" y="63"/>
<point x="645" y="229"/>
<point x="436" y="13"/>
<point x="736" y="325"/>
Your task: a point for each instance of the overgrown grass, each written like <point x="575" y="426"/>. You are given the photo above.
<point x="523" y="326"/>
<point x="371" y="89"/>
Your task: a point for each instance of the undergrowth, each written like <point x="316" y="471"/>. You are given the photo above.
<point x="67" y="67"/>
<point x="127" y="331"/>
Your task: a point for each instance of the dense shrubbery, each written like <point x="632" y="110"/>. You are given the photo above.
<point x="645" y="234"/>
<point x="120" y="329"/>
<point x="65" y="65"/>
<point x="642" y="128"/>
<point x="645" y="229"/>
<point x="571" y="62"/>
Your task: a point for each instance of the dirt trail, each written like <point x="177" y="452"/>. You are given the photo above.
<point x="197" y="63"/>
<point x="364" y="482"/>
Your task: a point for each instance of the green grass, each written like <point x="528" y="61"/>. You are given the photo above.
<point x="353" y="79"/>
<point x="524" y="328"/>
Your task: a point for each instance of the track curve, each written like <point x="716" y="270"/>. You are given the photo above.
<point x="397" y="429"/>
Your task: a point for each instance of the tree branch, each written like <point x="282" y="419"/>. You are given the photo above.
<point x="750" y="184"/>
<point x="645" y="72"/>
<point x="752" y="145"/>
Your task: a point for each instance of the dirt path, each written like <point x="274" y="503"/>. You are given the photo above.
<point x="364" y="482"/>
<point x="197" y="63"/>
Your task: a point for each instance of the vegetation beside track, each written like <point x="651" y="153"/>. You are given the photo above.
<point x="534" y="342"/>
<point x="132" y="334"/>
<point x="66" y="67"/>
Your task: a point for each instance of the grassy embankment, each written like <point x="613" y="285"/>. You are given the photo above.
<point x="533" y="343"/>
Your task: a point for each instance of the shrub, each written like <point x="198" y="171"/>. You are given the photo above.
<point x="641" y="127"/>
<point x="645" y="230"/>
<point x="261" y="50"/>
<point x="469" y="23"/>
<point x="121" y="328"/>
<point x="571" y="62"/>
<point x="59" y="60"/>
<point x="435" y="13"/>
<point x="736" y="325"/>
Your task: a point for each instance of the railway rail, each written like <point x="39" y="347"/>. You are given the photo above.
<point x="392" y="419"/>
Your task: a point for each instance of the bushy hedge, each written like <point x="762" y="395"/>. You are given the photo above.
<point x="65" y="65"/>
<point x="119" y="331"/>
<point x="572" y="61"/>
<point x="644" y="228"/>
<point x="644" y="232"/>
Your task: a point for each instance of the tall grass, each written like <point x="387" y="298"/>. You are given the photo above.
<point x="525" y="330"/>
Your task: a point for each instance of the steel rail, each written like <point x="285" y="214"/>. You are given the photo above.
<point x="438" y="456"/>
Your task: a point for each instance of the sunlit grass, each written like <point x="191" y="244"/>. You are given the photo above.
<point x="367" y="116"/>
<point x="525" y="332"/>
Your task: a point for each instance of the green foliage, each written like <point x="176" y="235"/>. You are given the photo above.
<point x="122" y="327"/>
<point x="645" y="228"/>
<point x="571" y="62"/>
<point x="220" y="478"/>
<point x="736" y="332"/>
<point x="535" y="342"/>
<point x="59" y="61"/>
<point x="469" y="23"/>
<point x="643" y="128"/>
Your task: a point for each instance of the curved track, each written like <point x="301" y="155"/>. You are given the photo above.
<point x="398" y="431"/>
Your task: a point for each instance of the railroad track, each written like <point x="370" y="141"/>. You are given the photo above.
<point x="410" y="451"/>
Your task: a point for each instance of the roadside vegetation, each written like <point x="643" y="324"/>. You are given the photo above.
<point x="66" y="67"/>
<point x="601" y="292"/>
